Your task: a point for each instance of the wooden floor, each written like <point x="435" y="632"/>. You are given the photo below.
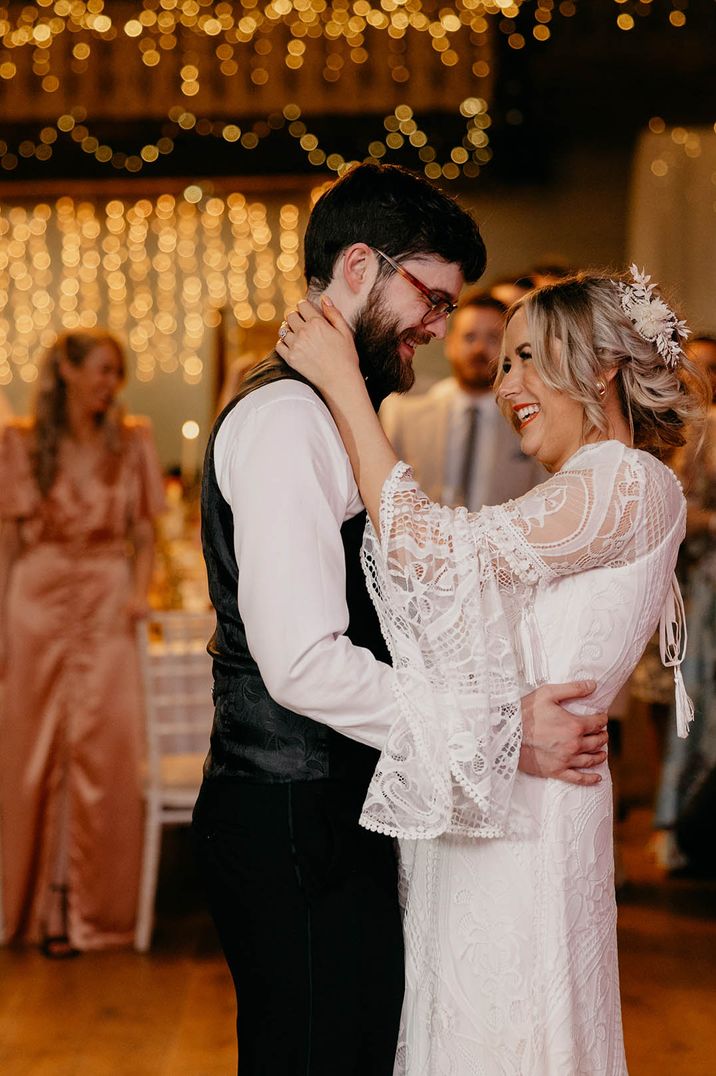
<point x="167" y="1013"/>
<point x="667" y="957"/>
<point x="170" y="1013"/>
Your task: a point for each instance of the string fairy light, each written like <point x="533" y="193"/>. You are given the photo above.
<point x="158" y="27"/>
<point x="466" y="158"/>
<point x="157" y="271"/>
<point x="674" y="144"/>
<point x="183" y="46"/>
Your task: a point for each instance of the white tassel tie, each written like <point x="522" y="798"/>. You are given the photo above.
<point x="672" y="647"/>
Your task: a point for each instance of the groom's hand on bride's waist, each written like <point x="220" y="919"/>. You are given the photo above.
<point x="556" y="743"/>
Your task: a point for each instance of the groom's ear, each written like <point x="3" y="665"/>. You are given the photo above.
<point x="359" y="268"/>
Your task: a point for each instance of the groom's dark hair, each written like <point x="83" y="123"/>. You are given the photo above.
<point x="392" y="210"/>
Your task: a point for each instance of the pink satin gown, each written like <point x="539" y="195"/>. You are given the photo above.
<point x="71" y="735"/>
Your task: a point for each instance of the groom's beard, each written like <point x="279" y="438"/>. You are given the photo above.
<point x="377" y="342"/>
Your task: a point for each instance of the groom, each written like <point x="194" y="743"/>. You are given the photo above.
<point x="304" y="899"/>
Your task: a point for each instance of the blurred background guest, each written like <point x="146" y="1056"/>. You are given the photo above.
<point x="549" y="272"/>
<point x="508" y="289"/>
<point x="462" y="451"/>
<point x="686" y="804"/>
<point x="79" y="487"/>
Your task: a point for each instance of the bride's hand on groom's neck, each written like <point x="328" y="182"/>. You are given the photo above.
<point x="319" y="345"/>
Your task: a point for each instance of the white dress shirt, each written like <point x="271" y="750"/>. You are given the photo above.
<point x="282" y="468"/>
<point x="484" y="449"/>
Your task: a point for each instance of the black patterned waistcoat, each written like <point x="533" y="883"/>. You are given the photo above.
<point x="254" y="738"/>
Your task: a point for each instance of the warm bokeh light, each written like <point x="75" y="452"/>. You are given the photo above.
<point x="190" y="430"/>
<point x="202" y="39"/>
<point x="156" y="271"/>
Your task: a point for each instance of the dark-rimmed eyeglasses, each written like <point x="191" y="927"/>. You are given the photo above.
<point x="440" y="307"/>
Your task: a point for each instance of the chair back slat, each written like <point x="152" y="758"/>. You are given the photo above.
<point x="177" y="681"/>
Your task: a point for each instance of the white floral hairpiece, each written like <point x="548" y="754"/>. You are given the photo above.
<point x="652" y="318"/>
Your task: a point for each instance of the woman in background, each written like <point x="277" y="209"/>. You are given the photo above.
<point x="80" y="485"/>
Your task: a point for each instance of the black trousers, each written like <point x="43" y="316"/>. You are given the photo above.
<point x="306" y="907"/>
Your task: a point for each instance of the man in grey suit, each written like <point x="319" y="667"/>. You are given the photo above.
<point x="460" y="446"/>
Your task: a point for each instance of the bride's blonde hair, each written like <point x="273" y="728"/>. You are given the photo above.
<point x="584" y="315"/>
<point x="50" y="410"/>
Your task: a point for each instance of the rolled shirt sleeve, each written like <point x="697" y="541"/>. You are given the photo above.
<point x="282" y="468"/>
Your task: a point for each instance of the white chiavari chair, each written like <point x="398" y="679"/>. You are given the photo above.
<point x="176" y="675"/>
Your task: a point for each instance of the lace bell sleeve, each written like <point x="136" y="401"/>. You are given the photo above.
<point x="454" y="593"/>
<point x="451" y="755"/>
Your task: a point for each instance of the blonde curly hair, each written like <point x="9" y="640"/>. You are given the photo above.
<point x="50" y="410"/>
<point x="584" y="314"/>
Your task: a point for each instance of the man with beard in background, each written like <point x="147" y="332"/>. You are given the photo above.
<point x="305" y="901"/>
<point x="454" y="437"/>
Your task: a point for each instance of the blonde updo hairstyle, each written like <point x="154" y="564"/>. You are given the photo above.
<point x="579" y="332"/>
<point x="50" y="411"/>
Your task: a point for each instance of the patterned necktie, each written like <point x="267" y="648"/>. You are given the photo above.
<point x="468" y="460"/>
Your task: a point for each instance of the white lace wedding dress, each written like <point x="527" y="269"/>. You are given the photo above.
<point x="509" y="910"/>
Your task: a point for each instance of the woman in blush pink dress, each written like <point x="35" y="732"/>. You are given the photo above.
<point x="79" y="487"/>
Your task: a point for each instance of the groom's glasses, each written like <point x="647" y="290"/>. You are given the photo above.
<point x="440" y="307"/>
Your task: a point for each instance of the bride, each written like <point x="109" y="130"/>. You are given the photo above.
<point x="510" y="917"/>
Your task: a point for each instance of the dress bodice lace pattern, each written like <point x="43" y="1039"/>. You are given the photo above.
<point x="510" y="914"/>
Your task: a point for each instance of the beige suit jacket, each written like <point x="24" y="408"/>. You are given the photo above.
<point x="417" y="428"/>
